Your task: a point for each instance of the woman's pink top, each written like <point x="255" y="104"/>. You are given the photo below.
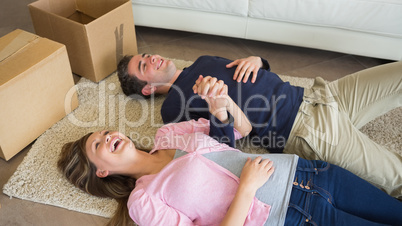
<point x="190" y="190"/>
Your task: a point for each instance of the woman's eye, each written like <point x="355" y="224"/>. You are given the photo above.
<point x="106" y="132"/>
<point x="96" y="145"/>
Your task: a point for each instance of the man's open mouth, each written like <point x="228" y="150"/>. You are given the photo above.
<point x="160" y="64"/>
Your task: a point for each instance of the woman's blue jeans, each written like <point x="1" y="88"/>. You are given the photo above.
<point x="325" y="194"/>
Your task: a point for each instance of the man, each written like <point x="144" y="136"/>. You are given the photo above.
<point x="321" y="122"/>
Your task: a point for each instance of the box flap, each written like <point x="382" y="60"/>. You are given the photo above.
<point x="61" y="8"/>
<point x="10" y="45"/>
<point x="13" y="42"/>
<point x="22" y="50"/>
<point x="98" y="8"/>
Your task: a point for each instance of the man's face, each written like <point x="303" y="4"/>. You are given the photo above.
<point x="151" y="68"/>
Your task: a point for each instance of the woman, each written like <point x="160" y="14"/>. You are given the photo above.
<point x="189" y="178"/>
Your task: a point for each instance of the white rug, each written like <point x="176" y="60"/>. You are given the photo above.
<point x="104" y="106"/>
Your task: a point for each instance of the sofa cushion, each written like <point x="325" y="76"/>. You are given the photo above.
<point x="231" y="7"/>
<point x="372" y="16"/>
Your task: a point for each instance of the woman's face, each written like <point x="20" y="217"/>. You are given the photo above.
<point x="111" y="151"/>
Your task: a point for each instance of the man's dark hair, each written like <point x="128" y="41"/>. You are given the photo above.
<point x="130" y="84"/>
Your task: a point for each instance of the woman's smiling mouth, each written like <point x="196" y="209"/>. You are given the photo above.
<point x="115" y="144"/>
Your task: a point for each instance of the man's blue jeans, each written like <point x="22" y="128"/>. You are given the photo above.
<point x="325" y="194"/>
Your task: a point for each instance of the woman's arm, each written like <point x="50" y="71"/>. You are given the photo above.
<point x="254" y="174"/>
<point x="215" y="93"/>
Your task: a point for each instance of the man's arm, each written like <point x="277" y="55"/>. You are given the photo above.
<point x="246" y="67"/>
<point x="220" y="104"/>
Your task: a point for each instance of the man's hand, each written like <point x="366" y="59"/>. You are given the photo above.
<point x="245" y="67"/>
<point x="208" y="87"/>
<point x="215" y="93"/>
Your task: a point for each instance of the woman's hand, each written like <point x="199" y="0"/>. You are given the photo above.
<point x="209" y="86"/>
<point x="215" y="93"/>
<point x="255" y="173"/>
<point x="245" y="67"/>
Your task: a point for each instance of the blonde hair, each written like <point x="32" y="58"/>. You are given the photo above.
<point x="76" y="167"/>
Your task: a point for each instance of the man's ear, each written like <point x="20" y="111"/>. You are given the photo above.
<point x="148" y="90"/>
<point x="102" y="173"/>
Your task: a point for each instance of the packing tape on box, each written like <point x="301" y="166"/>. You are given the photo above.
<point x="17" y="44"/>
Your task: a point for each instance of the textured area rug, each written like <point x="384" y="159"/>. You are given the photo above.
<point x="104" y="106"/>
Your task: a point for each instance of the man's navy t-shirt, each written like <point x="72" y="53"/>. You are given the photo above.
<point x="270" y="104"/>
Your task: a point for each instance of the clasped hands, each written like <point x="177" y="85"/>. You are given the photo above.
<point x="215" y="93"/>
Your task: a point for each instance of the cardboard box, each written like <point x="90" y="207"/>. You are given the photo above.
<point x="97" y="33"/>
<point x="36" y="86"/>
